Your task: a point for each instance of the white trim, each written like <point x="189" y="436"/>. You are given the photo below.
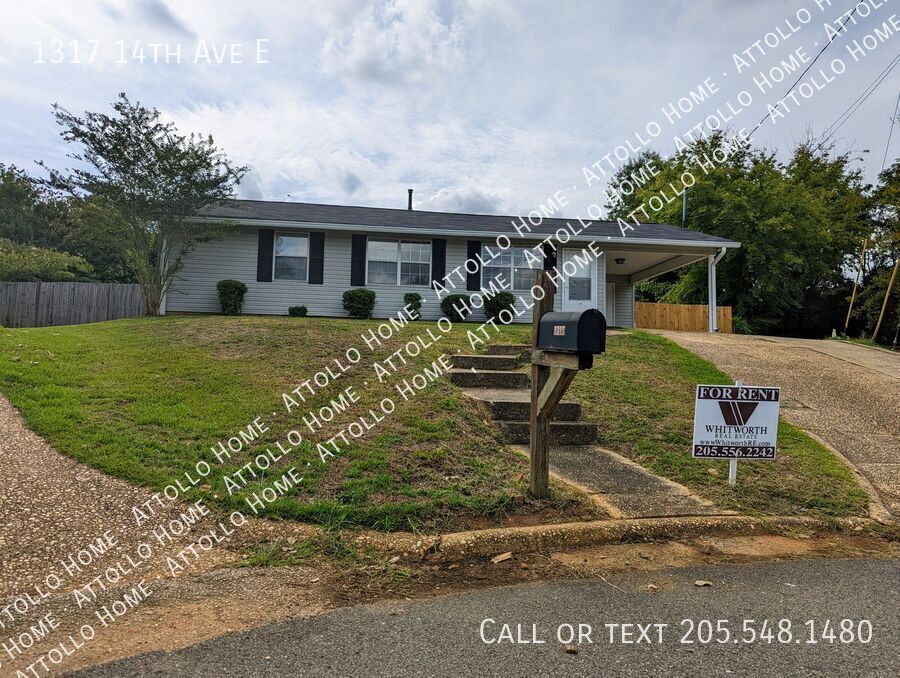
<point x="609" y="302"/>
<point x="399" y="262"/>
<point x="537" y="237"/>
<point x="290" y="234"/>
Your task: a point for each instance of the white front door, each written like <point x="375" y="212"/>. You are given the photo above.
<point x="610" y="311"/>
<point x="580" y="281"/>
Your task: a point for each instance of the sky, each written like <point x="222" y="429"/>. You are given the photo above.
<point x="479" y="105"/>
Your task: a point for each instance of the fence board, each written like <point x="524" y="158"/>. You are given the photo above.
<point x="42" y="304"/>
<point x="681" y="317"/>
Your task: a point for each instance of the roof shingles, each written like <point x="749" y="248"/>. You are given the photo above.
<point x="464" y="224"/>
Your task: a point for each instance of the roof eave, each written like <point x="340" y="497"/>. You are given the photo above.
<point x="461" y="233"/>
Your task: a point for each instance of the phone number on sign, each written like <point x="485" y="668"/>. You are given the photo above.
<point x="773" y="631"/>
<point x="728" y="452"/>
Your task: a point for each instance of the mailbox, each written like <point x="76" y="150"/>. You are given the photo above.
<point x="582" y="332"/>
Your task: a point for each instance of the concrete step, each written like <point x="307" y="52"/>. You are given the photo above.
<point x="514" y="404"/>
<point x="490" y="379"/>
<point x="486" y="362"/>
<point x="561" y="432"/>
<point x="508" y="349"/>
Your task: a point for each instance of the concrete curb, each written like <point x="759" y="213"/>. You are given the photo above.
<point x="485" y="543"/>
<point x="876" y="508"/>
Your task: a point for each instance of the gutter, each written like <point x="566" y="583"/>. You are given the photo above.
<point x="274" y="223"/>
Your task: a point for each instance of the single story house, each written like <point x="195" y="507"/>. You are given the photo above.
<point x="293" y="253"/>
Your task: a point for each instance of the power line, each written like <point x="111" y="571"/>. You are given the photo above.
<point x="859" y="101"/>
<point x="891" y="131"/>
<point x="806" y="70"/>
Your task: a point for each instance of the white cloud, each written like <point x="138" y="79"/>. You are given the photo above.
<point x="394" y="43"/>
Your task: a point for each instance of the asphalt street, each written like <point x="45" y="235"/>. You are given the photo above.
<point x="443" y="636"/>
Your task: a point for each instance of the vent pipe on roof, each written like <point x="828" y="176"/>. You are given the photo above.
<point x="409" y="204"/>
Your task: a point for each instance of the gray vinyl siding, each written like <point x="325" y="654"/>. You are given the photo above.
<point x="624" y="301"/>
<point x="235" y="256"/>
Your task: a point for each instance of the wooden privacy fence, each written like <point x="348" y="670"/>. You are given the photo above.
<point x="680" y="317"/>
<point x="40" y="304"/>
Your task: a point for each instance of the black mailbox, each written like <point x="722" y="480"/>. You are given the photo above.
<point x="582" y="332"/>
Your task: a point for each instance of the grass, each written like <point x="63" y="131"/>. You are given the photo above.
<point x="641" y="393"/>
<point x="145" y="400"/>
<point x="862" y="341"/>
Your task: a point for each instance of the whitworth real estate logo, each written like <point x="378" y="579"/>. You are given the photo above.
<point x="736" y="422"/>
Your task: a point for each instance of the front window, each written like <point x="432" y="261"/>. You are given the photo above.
<point x="398" y="262"/>
<point x="291" y="256"/>
<point x="512" y="267"/>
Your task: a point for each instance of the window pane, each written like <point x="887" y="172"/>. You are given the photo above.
<point x="579" y="289"/>
<point x="413" y="274"/>
<point x="418" y="252"/>
<point x="290" y="268"/>
<point x="524" y="278"/>
<point x="291" y="245"/>
<point x="502" y="258"/>
<point x="382" y="250"/>
<point x="383" y="272"/>
<point x="495" y="274"/>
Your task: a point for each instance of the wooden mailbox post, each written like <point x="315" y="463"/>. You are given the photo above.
<point x="561" y="345"/>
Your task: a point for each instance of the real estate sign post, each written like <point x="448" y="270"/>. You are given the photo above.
<point x="736" y="422"/>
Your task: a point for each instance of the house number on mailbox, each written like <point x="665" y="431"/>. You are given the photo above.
<point x="559" y="330"/>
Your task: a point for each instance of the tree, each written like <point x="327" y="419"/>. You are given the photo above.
<point x="154" y="178"/>
<point x="882" y="252"/>
<point x="29" y="214"/>
<point x="26" y="263"/>
<point x="797" y="222"/>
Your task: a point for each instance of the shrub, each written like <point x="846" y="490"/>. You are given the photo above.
<point x="297" y="311"/>
<point x="359" y="302"/>
<point x="414" y="301"/>
<point x="231" y="296"/>
<point x="497" y="303"/>
<point x="448" y="305"/>
<point x="740" y="325"/>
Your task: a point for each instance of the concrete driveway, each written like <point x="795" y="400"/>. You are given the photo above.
<point x="847" y="395"/>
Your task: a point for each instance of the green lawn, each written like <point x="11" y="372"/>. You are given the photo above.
<point x="641" y="393"/>
<point x="145" y="400"/>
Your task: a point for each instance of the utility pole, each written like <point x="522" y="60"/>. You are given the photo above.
<point x="887" y="296"/>
<point x="862" y="260"/>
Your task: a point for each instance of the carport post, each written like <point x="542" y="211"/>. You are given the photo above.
<point x="711" y="291"/>
<point x="713" y="259"/>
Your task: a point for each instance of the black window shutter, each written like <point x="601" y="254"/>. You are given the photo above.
<point x="265" y="250"/>
<point x="438" y="260"/>
<point x="549" y="257"/>
<point x="358" y="259"/>
<point x="473" y="280"/>
<point x="316" y="257"/>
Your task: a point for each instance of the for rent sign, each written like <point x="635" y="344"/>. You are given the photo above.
<point x="736" y="422"/>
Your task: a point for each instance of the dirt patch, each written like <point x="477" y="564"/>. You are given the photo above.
<point x="766" y="547"/>
<point x="614" y="557"/>
<point x="182" y="612"/>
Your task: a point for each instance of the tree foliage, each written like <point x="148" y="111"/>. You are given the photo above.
<point x="30" y="214"/>
<point x="27" y="263"/>
<point x="797" y="223"/>
<point x="153" y="178"/>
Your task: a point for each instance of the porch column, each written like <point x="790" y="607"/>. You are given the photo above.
<point x="711" y="295"/>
